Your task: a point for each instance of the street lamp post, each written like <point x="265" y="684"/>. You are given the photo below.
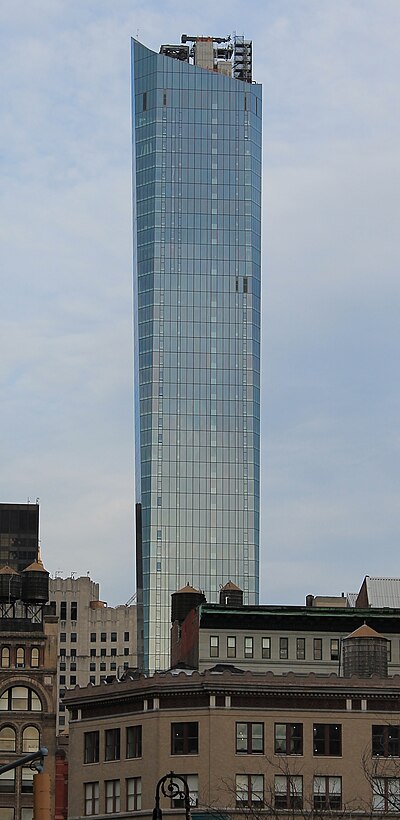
<point x="169" y="787"/>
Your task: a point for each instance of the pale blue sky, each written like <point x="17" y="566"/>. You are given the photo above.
<point x="331" y="285"/>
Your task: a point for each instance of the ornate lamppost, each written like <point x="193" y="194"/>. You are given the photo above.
<point x="169" y="787"/>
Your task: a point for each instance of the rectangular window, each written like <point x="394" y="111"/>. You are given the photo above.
<point x="386" y="794"/>
<point x="289" y="738"/>
<point x="91" y="747"/>
<point x="113" y="796"/>
<point x="214" y="646"/>
<point x="334" y="649"/>
<point x="92" y="653"/>
<point x="74" y="610"/>
<point x="327" y="739"/>
<point x="245" y="284"/>
<point x="300" y="649"/>
<point x="112" y="744"/>
<point x="126" y="636"/>
<point x="63" y="637"/>
<point x="63" y="611"/>
<point x="266" y="647"/>
<point x="318" y="649"/>
<point x="193" y="784"/>
<point x="327" y="792"/>
<point x="72" y="680"/>
<point x="93" y="637"/>
<point x="386" y="741"/>
<point x="73" y="637"/>
<point x="134" y="741"/>
<point x="249" y="790"/>
<point x="91" y="792"/>
<point x="113" y="637"/>
<point x="288" y="791"/>
<point x="103" y="652"/>
<point x="133" y="793"/>
<point x="126" y="650"/>
<point x="103" y="636"/>
<point x="248" y="647"/>
<point x="144" y="101"/>
<point x="283" y="648"/>
<point x="231" y="646"/>
<point x="249" y="738"/>
<point x="184" y="738"/>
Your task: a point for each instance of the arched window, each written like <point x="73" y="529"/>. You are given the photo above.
<point x="5" y="657"/>
<point x="30" y="739"/>
<point x="20" y="657"/>
<point x="20" y="699"/>
<point x="7" y="739"/>
<point x="34" y="657"/>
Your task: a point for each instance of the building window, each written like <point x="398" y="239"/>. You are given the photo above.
<point x="113" y="652"/>
<point x="5" y="657"/>
<point x="231" y="646"/>
<point x="92" y="667"/>
<point x="112" y="744"/>
<point x="74" y="610"/>
<point x="386" y="741"/>
<point x="327" y="739"/>
<point x="214" y="646"/>
<point x="266" y="647"/>
<point x="62" y="680"/>
<point x="126" y="650"/>
<point x="34" y="657"/>
<point x="249" y="790"/>
<point x="126" y="636"/>
<point x="318" y="649"/>
<point x="91" y="747"/>
<point x="91" y="791"/>
<point x="92" y="639"/>
<point x="103" y="667"/>
<point x="192" y="781"/>
<point x="20" y="664"/>
<point x="300" y="649"/>
<point x="30" y="739"/>
<point x="73" y="652"/>
<point x="113" y="796"/>
<point x="289" y="738"/>
<point x="73" y="667"/>
<point x="20" y="699"/>
<point x="113" y="637"/>
<point x="7" y="739"/>
<point x="7" y="782"/>
<point x="103" y="636"/>
<point x="144" y="101"/>
<point x="283" y="648"/>
<point x="133" y="793"/>
<point x="63" y="611"/>
<point x="7" y="813"/>
<point x="63" y="652"/>
<point x="334" y="649"/>
<point x="184" y="738"/>
<point x="248" y="647"/>
<point x="288" y="791"/>
<point x="134" y="741"/>
<point x="92" y="679"/>
<point x="250" y="738"/>
<point x="27" y="780"/>
<point x="72" y="680"/>
<point x="327" y="792"/>
<point x="61" y="720"/>
<point x="63" y="637"/>
<point x="73" y="637"/>
<point x="103" y="652"/>
<point x="386" y="794"/>
<point x="93" y="653"/>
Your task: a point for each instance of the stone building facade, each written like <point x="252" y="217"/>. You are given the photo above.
<point x="246" y="743"/>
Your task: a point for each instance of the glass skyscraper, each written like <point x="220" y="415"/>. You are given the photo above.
<point x="197" y="235"/>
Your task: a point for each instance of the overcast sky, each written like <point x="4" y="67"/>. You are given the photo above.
<point x="330" y="479"/>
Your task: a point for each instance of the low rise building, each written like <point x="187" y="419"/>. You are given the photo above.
<point x="281" y="639"/>
<point x="96" y="641"/>
<point x="28" y="677"/>
<point x="246" y="743"/>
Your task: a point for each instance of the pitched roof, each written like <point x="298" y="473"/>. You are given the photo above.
<point x="364" y="631"/>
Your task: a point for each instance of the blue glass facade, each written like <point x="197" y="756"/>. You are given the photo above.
<point x="197" y="235"/>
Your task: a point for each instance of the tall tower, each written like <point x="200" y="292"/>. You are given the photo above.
<point x="197" y="235"/>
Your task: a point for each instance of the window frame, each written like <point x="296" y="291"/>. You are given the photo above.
<point x="112" y="744"/>
<point x="188" y="742"/>
<point x="290" y="739"/>
<point x="249" y="737"/>
<point x="134" y="744"/>
<point x="327" y="799"/>
<point x="380" y="734"/>
<point x="91" y="747"/>
<point x="327" y="740"/>
<point x="288" y="798"/>
<point x="249" y="789"/>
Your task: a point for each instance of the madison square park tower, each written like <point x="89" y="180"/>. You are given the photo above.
<point x="197" y="236"/>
